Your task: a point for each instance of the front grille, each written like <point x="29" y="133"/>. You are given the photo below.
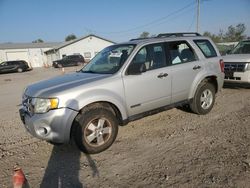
<point x="235" y="67"/>
<point x="27" y="103"/>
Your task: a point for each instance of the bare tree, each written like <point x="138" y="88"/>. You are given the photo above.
<point x="38" y="41"/>
<point x="144" y="34"/>
<point x="70" y="37"/>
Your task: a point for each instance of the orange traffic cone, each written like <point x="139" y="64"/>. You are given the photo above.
<point x="19" y="180"/>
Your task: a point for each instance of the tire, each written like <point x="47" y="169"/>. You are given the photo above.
<point x="204" y="98"/>
<point x="59" y="65"/>
<point x="95" y="130"/>
<point x="19" y="70"/>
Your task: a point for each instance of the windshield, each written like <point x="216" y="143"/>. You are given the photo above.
<point x="109" y="60"/>
<point x="242" y="48"/>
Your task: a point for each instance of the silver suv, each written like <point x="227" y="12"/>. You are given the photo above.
<point x="237" y="63"/>
<point x="122" y="83"/>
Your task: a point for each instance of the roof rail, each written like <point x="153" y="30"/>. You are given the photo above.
<point x="141" y="38"/>
<point x="187" y="34"/>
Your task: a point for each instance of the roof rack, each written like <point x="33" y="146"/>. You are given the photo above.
<point x="141" y="38"/>
<point x="187" y="34"/>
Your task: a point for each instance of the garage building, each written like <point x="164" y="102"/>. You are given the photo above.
<point x="43" y="54"/>
<point x="87" y="46"/>
<point x="33" y="53"/>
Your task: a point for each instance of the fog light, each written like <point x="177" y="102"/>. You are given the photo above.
<point x="42" y="131"/>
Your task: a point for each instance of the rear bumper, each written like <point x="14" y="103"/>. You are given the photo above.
<point x="53" y="126"/>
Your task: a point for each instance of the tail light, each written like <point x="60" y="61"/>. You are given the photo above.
<point x="222" y="65"/>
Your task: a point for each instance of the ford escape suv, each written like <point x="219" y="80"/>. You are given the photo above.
<point x="122" y="83"/>
<point x="237" y="63"/>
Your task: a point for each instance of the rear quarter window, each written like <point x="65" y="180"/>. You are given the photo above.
<point x="206" y="47"/>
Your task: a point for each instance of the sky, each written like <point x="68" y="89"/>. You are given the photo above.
<point x="24" y="21"/>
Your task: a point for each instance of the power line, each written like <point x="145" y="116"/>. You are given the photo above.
<point x="192" y="22"/>
<point x="150" y="23"/>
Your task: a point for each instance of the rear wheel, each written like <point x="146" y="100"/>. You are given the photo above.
<point x="95" y="130"/>
<point x="19" y="70"/>
<point x="204" y="98"/>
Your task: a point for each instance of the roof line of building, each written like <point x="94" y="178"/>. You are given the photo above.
<point x="76" y="40"/>
<point x="53" y="45"/>
<point x="28" y="45"/>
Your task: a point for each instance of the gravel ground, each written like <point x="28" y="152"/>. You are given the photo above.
<point x="170" y="149"/>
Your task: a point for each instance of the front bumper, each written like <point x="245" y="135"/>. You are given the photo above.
<point x="53" y="126"/>
<point x="240" y="77"/>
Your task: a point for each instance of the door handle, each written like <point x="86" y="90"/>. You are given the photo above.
<point x="196" y="67"/>
<point x="162" y="75"/>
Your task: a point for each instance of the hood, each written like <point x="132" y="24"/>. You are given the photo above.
<point x="237" y="58"/>
<point x="57" y="85"/>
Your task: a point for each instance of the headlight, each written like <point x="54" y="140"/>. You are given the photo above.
<point x="44" y="105"/>
<point x="248" y="66"/>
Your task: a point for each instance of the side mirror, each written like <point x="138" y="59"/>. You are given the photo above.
<point x="136" y="68"/>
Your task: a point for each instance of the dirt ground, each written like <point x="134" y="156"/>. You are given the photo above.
<point x="170" y="149"/>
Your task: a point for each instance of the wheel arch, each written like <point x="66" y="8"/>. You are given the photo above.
<point x="209" y="78"/>
<point x="105" y="104"/>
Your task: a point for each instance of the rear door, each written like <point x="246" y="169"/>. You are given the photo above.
<point x="151" y="89"/>
<point x="185" y="67"/>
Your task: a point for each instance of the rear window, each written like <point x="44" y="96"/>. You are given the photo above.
<point x="206" y="47"/>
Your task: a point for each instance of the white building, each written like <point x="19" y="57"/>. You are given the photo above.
<point x="33" y="53"/>
<point x="43" y="54"/>
<point x="87" y="46"/>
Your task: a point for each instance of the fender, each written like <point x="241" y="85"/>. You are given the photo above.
<point x="199" y="78"/>
<point x="99" y="95"/>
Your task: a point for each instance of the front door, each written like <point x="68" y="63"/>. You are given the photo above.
<point x="150" y="89"/>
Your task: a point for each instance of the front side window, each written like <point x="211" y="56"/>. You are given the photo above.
<point x="181" y="52"/>
<point x="109" y="60"/>
<point x="206" y="48"/>
<point x="11" y="63"/>
<point x="151" y="56"/>
<point x="242" y="48"/>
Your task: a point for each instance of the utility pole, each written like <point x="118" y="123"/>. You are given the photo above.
<point x="198" y="17"/>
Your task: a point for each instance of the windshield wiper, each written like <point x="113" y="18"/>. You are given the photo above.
<point x="89" y="71"/>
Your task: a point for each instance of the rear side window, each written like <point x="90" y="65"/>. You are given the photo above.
<point x="180" y="52"/>
<point x="206" y="47"/>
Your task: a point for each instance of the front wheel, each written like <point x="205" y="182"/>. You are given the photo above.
<point x="95" y="130"/>
<point x="204" y="98"/>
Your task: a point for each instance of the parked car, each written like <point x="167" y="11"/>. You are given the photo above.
<point x="14" y="66"/>
<point x="124" y="82"/>
<point x="237" y="63"/>
<point x="71" y="60"/>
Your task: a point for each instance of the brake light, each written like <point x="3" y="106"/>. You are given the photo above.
<point x="222" y="65"/>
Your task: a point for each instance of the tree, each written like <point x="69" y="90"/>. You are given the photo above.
<point x="233" y="34"/>
<point x="70" y="37"/>
<point x="144" y="34"/>
<point x="214" y="37"/>
<point x="236" y="33"/>
<point x="38" y="41"/>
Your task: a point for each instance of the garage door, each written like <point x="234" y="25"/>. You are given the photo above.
<point x="17" y="55"/>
